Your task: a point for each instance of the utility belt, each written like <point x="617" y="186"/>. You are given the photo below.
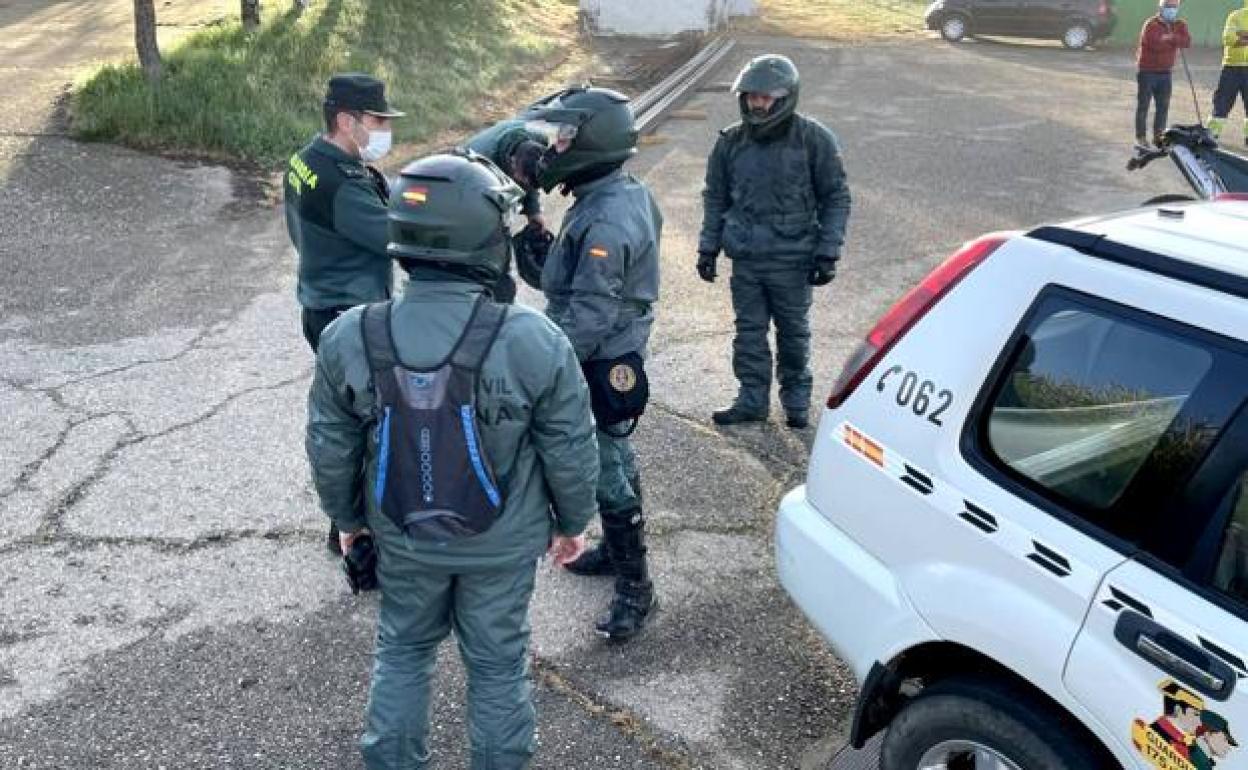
<point x="618" y="391"/>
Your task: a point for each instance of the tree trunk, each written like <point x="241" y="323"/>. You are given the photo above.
<point x="145" y="39"/>
<point x="251" y="14"/>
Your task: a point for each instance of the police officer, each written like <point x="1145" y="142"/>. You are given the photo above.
<point x="516" y="151"/>
<point x="336" y="208"/>
<point x="776" y="202"/>
<point x="601" y="281"/>
<point x="535" y="441"/>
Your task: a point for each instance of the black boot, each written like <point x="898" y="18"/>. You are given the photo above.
<point x="596" y="561"/>
<point x="634" y="600"/>
<point x="331" y="542"/>
<point x="736" y="414"/>
<point x="797" y="418"/>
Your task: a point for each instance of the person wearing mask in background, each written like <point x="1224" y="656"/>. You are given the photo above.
<point x="1160" y="40"/>
<point x="1233" y="82"/>
<point x="336" y="209"/>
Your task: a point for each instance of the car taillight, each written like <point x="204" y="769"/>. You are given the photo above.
<point x="909" y="309"/>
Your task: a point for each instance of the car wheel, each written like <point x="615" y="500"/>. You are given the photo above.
<point x="975" y="725"/>
<point x="954" y="27"/>
<point x="1077" y="36"/>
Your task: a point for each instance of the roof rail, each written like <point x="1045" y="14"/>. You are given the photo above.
<point x="1094" y="245"/>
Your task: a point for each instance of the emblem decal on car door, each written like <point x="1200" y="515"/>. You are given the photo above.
<point x="1187" y="735"/>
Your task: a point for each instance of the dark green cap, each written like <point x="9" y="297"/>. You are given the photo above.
<point x="357" y="91"/>
<point x="1216" y="723"/>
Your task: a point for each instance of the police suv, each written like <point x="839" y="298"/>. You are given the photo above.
<point x="1025" y="524"/>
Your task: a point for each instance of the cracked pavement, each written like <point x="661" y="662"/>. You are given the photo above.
<point x="166" y="599"/>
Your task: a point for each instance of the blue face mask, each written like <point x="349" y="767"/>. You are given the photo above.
<point x="1169" y="13"/>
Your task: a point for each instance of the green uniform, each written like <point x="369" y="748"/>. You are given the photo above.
<point x="497" y="143"/>
<point x="776" y="205"/>
<point x="601" y="281"/>
<point x="537" y="431"/>
<point x="336" y="209"/>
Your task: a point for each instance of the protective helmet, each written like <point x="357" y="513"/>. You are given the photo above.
<point x="454" y="211"/>
<point x="768" y="74"/>
<point x="594" y="126"/>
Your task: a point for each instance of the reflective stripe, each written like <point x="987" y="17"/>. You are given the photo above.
<point x="383" y="457"/>
<point x="474" y="454"/>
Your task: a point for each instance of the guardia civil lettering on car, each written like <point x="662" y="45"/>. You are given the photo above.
<point x="1034" y="553"/>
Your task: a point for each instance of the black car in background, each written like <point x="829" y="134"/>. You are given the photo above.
<point x="1077" y="23"/>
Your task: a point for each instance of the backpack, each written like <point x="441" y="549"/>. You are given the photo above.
<point x="434" y="479"/>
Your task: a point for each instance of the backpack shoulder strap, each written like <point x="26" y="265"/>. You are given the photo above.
<point x="378" y="342"/>
<point x="478" y="337"/>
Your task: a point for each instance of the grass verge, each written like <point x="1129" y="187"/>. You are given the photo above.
<point x="844" y="20"/>
<point x="256" y="95"/>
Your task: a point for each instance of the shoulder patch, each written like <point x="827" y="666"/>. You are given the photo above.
<point x="598" y="252"/>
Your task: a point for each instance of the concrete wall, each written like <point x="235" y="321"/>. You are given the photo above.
<point x="661" y="17"/>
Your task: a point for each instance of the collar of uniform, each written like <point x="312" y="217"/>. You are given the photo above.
<point x="333" y="151"/>
<point x="421" y="290"/>
<point x="589" y="188"/>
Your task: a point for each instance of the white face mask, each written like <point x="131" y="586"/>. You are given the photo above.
<point x="377" y="147"/>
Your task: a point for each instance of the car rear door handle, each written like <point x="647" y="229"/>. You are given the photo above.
<point x="1175" y="655"/>
<point x="1153" y="650"/>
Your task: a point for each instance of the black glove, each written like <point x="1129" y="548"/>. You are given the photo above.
<point x="360" y="565"/>
<point x="706" y="267"/>
<point x="530" y="247"/>
<point x="823" y="272"/>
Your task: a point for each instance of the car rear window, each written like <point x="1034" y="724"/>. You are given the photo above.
<point x="1088" y="399"/>
<point x="1102" y="410"/>
<point x="1231" y="573"/>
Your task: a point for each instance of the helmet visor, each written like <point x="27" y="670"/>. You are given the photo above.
<point x="557" y="135"/>
<point x="775" y="93"/>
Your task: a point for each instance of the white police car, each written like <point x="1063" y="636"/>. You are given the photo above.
<point x="1025" y="524"/>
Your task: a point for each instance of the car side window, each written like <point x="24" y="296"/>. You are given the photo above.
<point x="1230" y="576"/>
<point x="1089" y="397"/>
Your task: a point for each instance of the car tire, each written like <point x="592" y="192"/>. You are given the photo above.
<point x="955" y="27"/>
<point x="1077" y="36"/>
<point x="951" y="720"/>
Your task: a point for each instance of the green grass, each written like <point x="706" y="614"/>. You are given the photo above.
<point x="256" y="96"/>
<point x="847" y="20"/>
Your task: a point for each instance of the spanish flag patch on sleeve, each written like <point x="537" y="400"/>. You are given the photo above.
<point x="598" y="252"/>
<point x="416" y="195"/>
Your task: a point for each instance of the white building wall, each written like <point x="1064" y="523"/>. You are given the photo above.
<point x="661" y="17"/>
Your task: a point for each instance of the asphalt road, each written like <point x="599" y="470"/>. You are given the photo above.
<point x="166" y="602"/>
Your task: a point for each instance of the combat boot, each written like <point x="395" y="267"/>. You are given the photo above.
<point x="633" y="604"/>
<point x="797" y="418"/>
<point x="597" y="560"/>
<point x="737" y="414"/>
<point x="634" y="600"/>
